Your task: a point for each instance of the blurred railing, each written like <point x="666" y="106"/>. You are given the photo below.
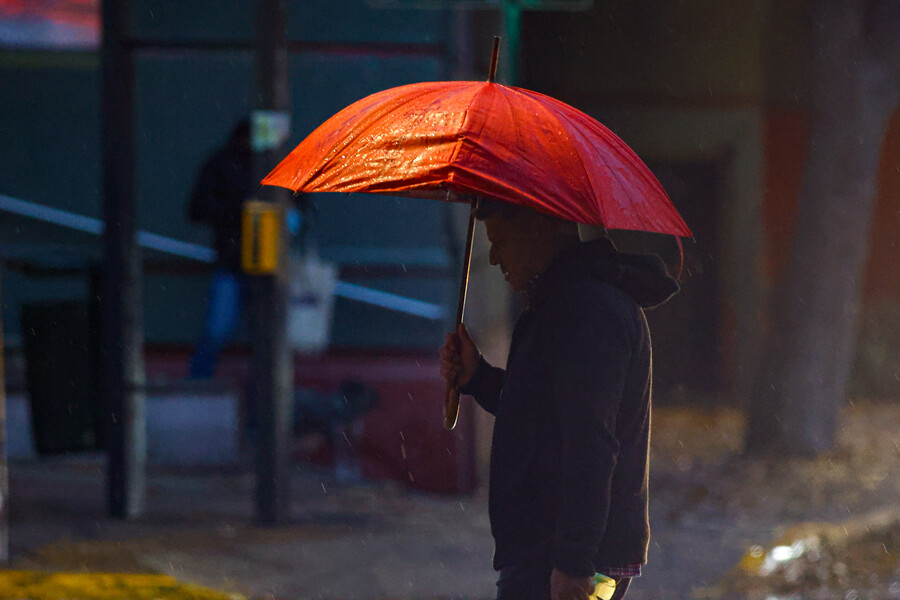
<point x="204" y="254"/>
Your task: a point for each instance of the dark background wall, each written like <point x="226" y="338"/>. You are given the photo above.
<point x="193" y="82"/>
<point x="697" y="88"/>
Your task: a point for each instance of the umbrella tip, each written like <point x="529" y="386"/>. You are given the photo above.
<point x="495" y="57"/>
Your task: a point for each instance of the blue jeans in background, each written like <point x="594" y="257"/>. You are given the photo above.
<point x="227" y="296"/>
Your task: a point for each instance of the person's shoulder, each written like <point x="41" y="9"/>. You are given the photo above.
<point x="594" y="294"/>
<point x="587" y="301"/>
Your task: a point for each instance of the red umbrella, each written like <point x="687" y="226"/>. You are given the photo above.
<point x="454" y="140"/>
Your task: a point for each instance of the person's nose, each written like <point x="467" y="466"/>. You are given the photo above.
<point x="492" y="255"/>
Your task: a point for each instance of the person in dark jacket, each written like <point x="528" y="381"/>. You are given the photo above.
<point x="223" y="184"/>
<point x="569" y="457"/>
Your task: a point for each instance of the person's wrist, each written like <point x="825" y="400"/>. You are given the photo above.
<point x="471" y="373"/>
<point x="474" y="369"/>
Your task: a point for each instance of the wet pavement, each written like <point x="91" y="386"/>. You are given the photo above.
<point x="380" y="540"/>
<point x="372" y="540"/>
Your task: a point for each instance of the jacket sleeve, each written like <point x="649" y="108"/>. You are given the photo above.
<point x="591" y="356"/>
<point x="485" y="385"/>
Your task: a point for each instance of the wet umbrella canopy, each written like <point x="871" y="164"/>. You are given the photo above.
<point x="450" y="140"/>
<point x="458" y="140"/>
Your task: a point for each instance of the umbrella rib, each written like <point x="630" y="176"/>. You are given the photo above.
<point x="562" y="116"/>
<point x="460" y="136"/>
<point x="640" y="167"/>
<point x="512" y="113"/>
<point x="332" y="152"/>
<point x="624" y="157"/>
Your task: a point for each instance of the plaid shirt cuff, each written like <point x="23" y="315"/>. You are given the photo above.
<point x="621" y="572"/>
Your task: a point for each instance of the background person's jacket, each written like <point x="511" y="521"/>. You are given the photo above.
<point x="569" y="458"/>
<point x="225" y="181"/>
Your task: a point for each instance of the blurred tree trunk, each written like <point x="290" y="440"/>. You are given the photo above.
<point x="808" y="354"/>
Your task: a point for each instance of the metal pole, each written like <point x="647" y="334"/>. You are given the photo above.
<point x="272" y="367"/>
<point x="4" y="473"/>
<point x="122" y="317"/>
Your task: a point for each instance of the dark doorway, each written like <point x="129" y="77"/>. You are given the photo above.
<point x="687" y="344"/>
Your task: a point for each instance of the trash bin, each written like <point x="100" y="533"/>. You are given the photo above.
<point x="61" y="377"/>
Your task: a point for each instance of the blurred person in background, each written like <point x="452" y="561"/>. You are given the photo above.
<point x="569" y="458"/>
<point x="224" y="182"/>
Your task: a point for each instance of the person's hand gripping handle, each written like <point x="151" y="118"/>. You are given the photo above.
<point x="459" y="360"/>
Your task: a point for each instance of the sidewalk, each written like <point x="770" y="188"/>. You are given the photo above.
<point x="710" y="509"/>
<point x="374" y="540"/>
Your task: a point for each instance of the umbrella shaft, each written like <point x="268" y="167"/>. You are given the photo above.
<point x="467" y="263"/>
<point x="451" y="396"/>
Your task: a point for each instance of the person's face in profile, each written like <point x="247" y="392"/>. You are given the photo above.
<point x="517" y="247"/>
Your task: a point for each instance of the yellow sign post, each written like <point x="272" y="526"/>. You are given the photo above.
<point x="261" y="237"/>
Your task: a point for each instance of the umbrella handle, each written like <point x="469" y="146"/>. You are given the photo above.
<point x="451" y="395"/>
<point x="451" y="406"/>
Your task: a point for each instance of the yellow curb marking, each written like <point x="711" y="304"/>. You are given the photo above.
<point x="43" y="585"/>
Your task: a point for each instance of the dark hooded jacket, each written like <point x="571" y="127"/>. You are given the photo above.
<point x="225" y="181"/>
<point x="569" y="458"/>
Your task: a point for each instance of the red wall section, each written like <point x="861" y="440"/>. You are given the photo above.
<point x="786" y="141"/>
<point x="403" y="437"/>
<point x="882" y="278"/>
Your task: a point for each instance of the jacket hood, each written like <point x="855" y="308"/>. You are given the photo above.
<point x="643" y="277"/>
